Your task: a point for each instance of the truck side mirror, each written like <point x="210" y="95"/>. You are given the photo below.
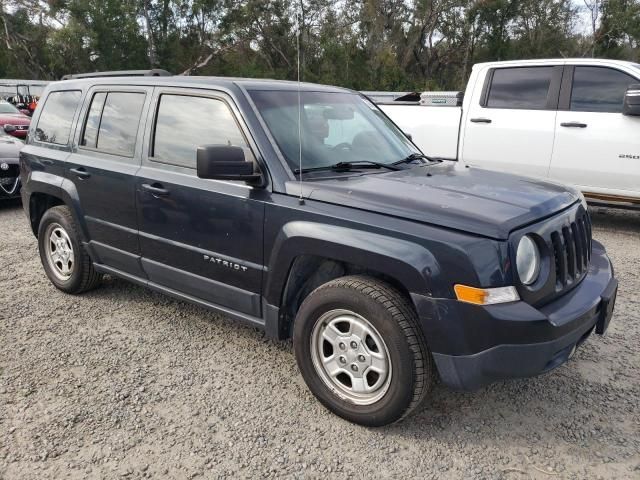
<point x="631" y="104"/>
<point x="224" y="162"/>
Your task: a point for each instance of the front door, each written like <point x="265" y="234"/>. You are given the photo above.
<point x="102" y="167"/>
<point x="597" y="148"/>
<point x="201" y="238"/>
<point x="510" y="126"/>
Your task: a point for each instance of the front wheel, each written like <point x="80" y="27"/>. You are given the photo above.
<point x="360" y="350"/>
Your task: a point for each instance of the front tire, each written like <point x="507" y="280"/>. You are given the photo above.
<point x="65" y="261"/>
<point x="360" y="350"/>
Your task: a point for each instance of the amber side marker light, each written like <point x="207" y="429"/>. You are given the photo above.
<point x="486" y="296"/>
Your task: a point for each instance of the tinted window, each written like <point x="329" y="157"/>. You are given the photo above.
<point x="184" y="123"/>
<point x="56" y="118"/>
<point x="597" y="89"/>
<point x="90" y="136"/>
<point x="119" y="123"/>
<point x="524" y="88"/>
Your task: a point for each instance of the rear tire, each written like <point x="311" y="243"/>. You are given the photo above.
<point x="65" y="261"/>
<point x="361" y="352"/>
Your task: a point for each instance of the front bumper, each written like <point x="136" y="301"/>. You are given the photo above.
<point x="476" y="345"/>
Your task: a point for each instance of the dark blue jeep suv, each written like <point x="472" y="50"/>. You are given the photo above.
<point x="304" y="211"/>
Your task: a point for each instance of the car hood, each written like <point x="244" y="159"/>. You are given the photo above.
<point x="14" y="119"/>
<point x="9" y="149"/>
<point x="448" y="194"/>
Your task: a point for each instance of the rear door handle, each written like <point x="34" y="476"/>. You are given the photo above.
<point x="481" y="120"/>
<point x="573" y="125"/>
<point x="80" y="172"/>
<point x="156" y="189"/>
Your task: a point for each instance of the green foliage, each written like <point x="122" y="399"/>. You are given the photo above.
<point x="364" y="44"/>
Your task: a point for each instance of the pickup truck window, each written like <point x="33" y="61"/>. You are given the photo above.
<point x="185" y="122"/>
<point x="599" y="89"/>
<point x="523" y="88"/>
<point x="335" y="127"/>
<point x="54" y="124"/>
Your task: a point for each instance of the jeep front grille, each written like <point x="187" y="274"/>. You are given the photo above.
<point x="571" y="246"/>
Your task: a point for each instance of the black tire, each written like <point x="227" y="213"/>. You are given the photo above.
<point x="83" y="275"/>
<point x="394" y="318"/>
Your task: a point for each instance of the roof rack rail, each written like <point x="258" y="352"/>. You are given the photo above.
<point x="156" y="72"/>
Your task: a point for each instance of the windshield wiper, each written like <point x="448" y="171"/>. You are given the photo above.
<point x="415" y="156"/>
<point x="348" y="166"/>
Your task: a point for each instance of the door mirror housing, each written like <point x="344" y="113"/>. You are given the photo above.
<point x="224" y="162"/>
<point x="10" y="128"/>
<point x="631" y="104"/>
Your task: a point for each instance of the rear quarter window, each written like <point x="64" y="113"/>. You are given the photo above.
<point x="54" y="124"/>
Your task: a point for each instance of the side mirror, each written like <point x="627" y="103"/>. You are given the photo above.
<point x="10" y="128"/>
<point x="408" y="135"/>
<point x="631" y="104"/>
<point x="224" y="162"/>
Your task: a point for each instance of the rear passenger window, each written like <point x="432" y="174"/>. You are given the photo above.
<point x="54" y="124"/>
<point x="598" y="89"/>
<point x="522" y="88"/>
<point x="112" y="122"/>
<point x="184" y="123"/>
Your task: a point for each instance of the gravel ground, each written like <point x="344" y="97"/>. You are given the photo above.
<point x="123" y="382"/>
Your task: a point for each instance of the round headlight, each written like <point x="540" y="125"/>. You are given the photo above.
<point x="528" y="260"/>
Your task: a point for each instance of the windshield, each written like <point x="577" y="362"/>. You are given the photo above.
<point x="335" y="127"/>
<point x="6" y="107"/>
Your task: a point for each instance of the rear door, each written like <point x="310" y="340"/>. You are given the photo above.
<point x="597" y="148"/>
<point x="510" y="122"/>
<point x="102" y="167"/>
<point x="202" y="238"/>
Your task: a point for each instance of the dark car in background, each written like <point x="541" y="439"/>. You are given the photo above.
<point x="12" y="121"/>
<point x="9" y="169"/>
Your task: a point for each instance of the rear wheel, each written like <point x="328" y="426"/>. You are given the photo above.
<point x="63" y="257"/>
<point x="361" y="352"/>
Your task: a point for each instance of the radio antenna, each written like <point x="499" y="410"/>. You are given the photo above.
<point x="301" y="199"/>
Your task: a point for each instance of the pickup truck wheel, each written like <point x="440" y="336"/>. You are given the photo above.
<point x="360" y="350"/>
<point x="65" y="261"/>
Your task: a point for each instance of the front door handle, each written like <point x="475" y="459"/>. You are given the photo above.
<point x="481" y="120"/>
<point x="80" y="172"/>
<point x="573" y="125"/>
<point x="156" y="189"/>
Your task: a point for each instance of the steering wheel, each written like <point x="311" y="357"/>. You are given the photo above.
<point x="342" y="146"/>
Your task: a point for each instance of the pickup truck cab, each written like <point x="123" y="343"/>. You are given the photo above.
<point x="575" y="121"/>
<point x="302" y="210"/>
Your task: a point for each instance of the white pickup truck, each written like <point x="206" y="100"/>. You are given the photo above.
<point x="574" y="121"/>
